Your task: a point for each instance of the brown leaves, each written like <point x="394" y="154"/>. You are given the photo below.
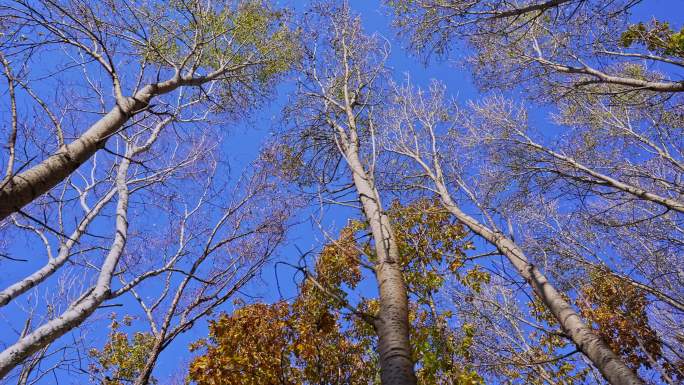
<point x="278" y="344"/>
<point x="246" y="348"/>
<point x="618" y="309"/>
<point x="315" y="340"/>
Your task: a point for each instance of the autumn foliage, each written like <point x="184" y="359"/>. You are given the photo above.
<point x="322" y="338"/>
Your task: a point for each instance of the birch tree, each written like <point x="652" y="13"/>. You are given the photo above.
<point x="223" y="237"/>
<point x="600" y="193"/>
<point x="202" y="269"/>
<point x="412" y="134"/>
<point x="185" y="65"/>
<point x="333" y="123"/>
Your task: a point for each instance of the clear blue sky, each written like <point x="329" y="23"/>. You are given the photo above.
<point x="246" y="138"/>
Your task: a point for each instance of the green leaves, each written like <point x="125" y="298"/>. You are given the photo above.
<point x="656" y="36"/>
<point x="121" y="359"/>
<point x="249" y="42"/>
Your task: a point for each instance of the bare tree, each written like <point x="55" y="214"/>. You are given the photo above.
<point x="80" y="309"/>
<point x="547" y="46"/>
<point x="191" y="43"/>
<point x="100" y="200"/>
<point x="600" y="190"/>
<point x="334" y="123"/>
<point x="412" y="133"/>
<point x="507" y="342"/>
<point x="223" y="238"/>
<point x="233" y="252"/>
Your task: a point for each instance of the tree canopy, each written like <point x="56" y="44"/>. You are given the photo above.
<point x="331" y="192"/>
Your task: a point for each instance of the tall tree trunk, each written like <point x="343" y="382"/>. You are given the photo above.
<point x="392" y="325"/>
<point x="21" y="189"/>
<point x="605" y="180"/>
<point x="15" y="290"/>
<point x="611" y="366"/>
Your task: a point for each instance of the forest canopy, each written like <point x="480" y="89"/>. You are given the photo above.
<point x="341" y="192"/>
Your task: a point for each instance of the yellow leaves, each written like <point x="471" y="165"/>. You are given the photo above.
<point x="299" y="349"/>
<point x="429" y="239"/>
<point x="474" y="278"/>
<point x="267" y="344"/>
<point x="356" y="225"/>
<point x="122" y="358"/>
<point x="198" y="344"/>
<point x="251" y="21"/>
<point x="338" y="262"/>
<point x="455" y="265"/>
<point x="199" y="364"/>
<point x="469" y="377"/>
<point x="244" y="348"/>
<point x="248" y="41"/>
<point x="442" y="354"/>
<point x="657" y="36"/>
<point x="306" y="342"/>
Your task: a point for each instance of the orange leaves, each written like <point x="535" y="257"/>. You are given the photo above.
<point x="274" y="344"/>
<point x="619" y="311"/>
<point x="474" y="278"/>
<point x="246" y="348"/>
<point x="290" y="344"/>
<point x="313" y="341"/>
<point x="338" y="263"/>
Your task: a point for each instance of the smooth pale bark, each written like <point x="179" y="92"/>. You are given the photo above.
<point x="392" y="323"/>
<point x="21" y="287"/>
<point x="611" y="366"/>
<point x="23" y="188"/>
<point x="604" y="78"/>
<point x="12" y="140"/>
<point x="86" y="305"/>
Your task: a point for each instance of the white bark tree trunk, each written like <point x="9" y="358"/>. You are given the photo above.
<point x="21" y="189"/>
<point x="86" y="305"/>
<point x="26" y="284"/>
<point x="392" y="324"/>
<point x="606" y="180"/>
<point x="611" y="366"/>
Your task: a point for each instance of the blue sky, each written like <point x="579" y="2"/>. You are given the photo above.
<point x="276" y="281"/>
<point x="245" y="138"/>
